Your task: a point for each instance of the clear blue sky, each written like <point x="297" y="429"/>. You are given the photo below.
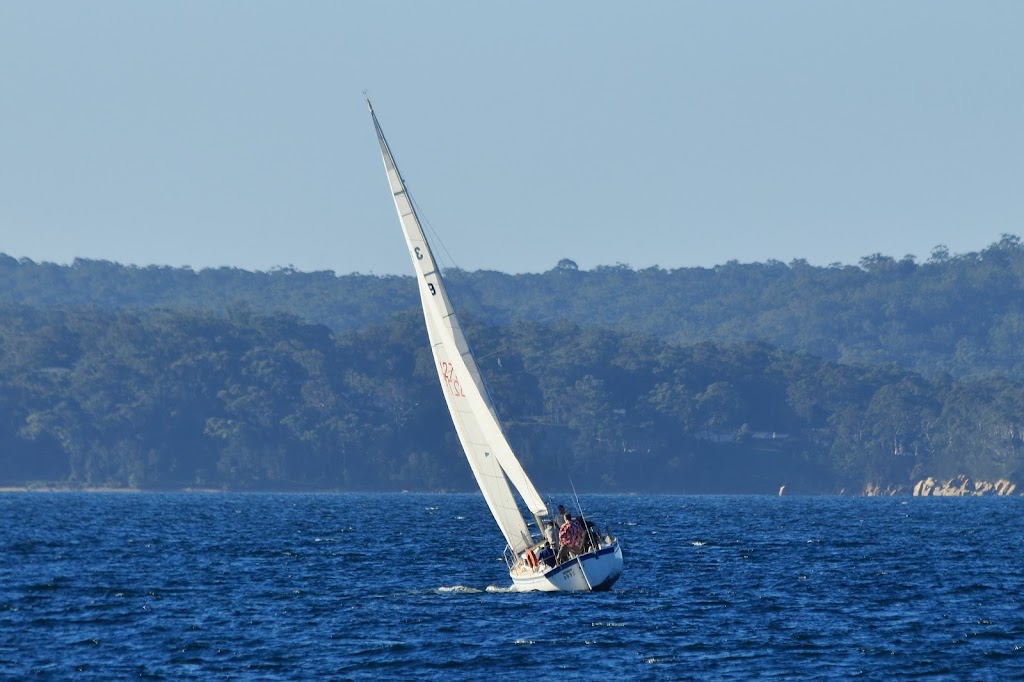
<point x="652" y="133"/>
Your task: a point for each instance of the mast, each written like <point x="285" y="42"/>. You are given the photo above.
<point x="490" y="457"/>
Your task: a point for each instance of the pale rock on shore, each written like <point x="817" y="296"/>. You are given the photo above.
<point x="961" y="486"/>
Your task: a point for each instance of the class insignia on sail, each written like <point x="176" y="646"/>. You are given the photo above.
<point x="558" y="551"/>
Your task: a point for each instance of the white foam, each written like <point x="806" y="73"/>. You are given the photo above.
<point x="459" y="589"/>
<point x="495" y="588"/>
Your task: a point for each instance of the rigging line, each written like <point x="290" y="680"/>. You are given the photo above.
<point x="584" y="572"/>
<point x="420" y="217"/>
<point x="579" y="507"/>
<point x="583" y="518"/>
<point x="435" y="236"/>
<point x="586" y="531"/>
<point x="443" y="260"/>
<point x="494" y="352"/>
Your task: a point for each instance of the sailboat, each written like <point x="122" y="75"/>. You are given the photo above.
<point x="597" y="563"/>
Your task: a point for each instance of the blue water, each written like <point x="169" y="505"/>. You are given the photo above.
<point x="304" y="587"/>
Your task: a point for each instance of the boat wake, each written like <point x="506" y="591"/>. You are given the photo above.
<point x="460" y="589"/>
<point x="466" y="589"/>
<point x="497" y="589"/>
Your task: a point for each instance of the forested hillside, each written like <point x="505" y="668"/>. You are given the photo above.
<point x="168" y="399"/>
<point x="958" y="314"/>
<point x="740" y="378"/>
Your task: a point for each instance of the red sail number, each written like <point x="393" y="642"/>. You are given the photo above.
<point x="448" y="372"/>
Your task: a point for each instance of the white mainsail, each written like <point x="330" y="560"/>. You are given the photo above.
<point x="490" y="457"/>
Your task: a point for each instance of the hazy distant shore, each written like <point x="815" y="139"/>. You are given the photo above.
<point x="86" y="489"/>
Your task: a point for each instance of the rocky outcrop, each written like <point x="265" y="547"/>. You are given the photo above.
<point x="874" y="490"/>
<point x="961" y="486"/>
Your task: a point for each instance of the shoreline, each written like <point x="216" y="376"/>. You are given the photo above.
<point x="938" y="491"/>
<point x="89" y="489"/>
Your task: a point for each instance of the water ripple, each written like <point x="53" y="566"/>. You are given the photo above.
<point x="299" y="587"/>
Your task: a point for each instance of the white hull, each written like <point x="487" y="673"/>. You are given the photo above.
<point x="591" y="572"/>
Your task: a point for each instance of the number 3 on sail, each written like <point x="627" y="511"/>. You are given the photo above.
<point x="587" y="560"/>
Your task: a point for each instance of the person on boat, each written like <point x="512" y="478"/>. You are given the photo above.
<point x="546" y="555"/>
<point x="585" y="544"/>
<point x="570" y="537"/>
<point x="550" y="535"/>
<point x="591" y="537"/>
<point x="560" y="517"/>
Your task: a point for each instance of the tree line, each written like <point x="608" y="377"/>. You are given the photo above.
<point x="956" y="314"/>
<point x="170" y="398"/>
